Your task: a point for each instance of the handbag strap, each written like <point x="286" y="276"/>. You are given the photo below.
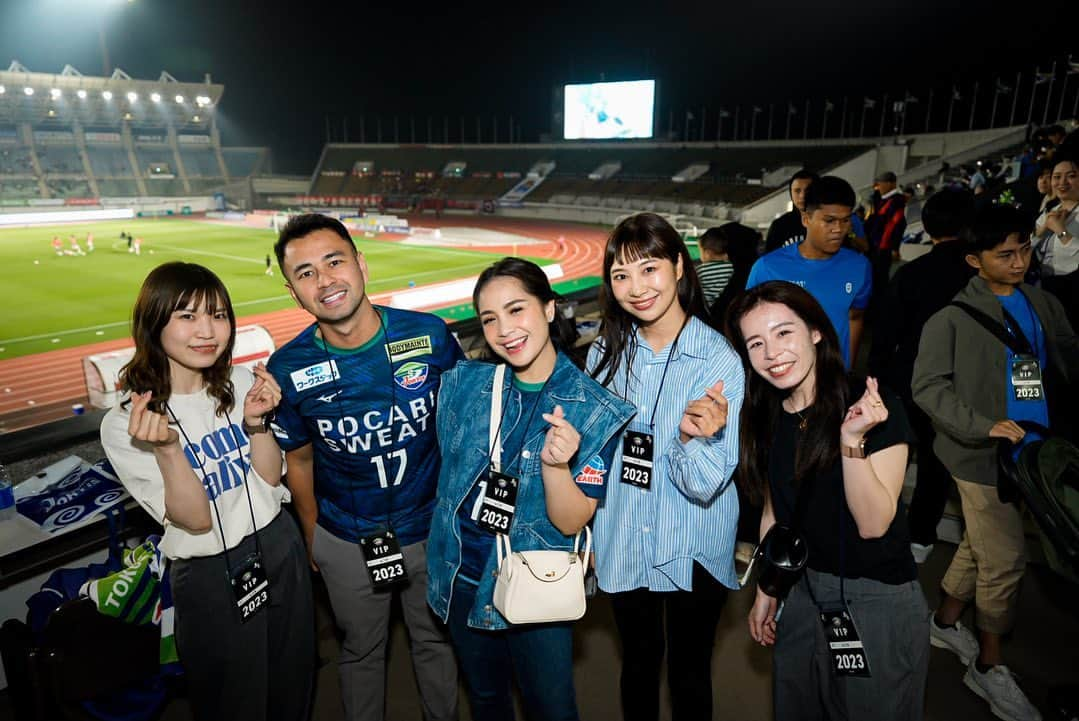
<point x="494" y="442"/>
<point x="587" y="543"/>
<point x="504" y="550"/>
<point x="502" y="538"/>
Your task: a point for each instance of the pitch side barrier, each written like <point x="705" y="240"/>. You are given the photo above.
<point x="64" y="216"/>
<point x="254" y="344"/>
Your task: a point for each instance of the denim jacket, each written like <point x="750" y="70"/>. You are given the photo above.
<point x="464" y="410"/>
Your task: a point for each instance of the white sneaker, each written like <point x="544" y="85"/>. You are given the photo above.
<point x="920" y="552"/>
<point x="958" y="640"/>
<point x="1006" y="700"/>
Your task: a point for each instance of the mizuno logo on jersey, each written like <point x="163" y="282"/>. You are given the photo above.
<point x="315" y="375"/>
<point x="328" y="398"/>
<point x="409" y="348"/>
<point x="410" y="375"/>
<point x="593" y="472"/>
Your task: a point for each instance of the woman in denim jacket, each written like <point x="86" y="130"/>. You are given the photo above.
<point x="558" y="432"/>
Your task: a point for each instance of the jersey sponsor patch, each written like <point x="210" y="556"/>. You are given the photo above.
<point x="850" y="288"/>
<point x="409" y="348"/>
<point x="278" y="431"/>
<point x="410" y="375"/>
<point x="315" y="375"/>
<point x="593" y="472"/>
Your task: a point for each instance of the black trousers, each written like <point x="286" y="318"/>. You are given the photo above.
<point x="933" y="482"/>
<point x="684" y="621"/>
<point x="260" y="670"/>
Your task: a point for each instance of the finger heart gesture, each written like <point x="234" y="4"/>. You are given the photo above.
<point x="868" y="412"/>
<point x="562" y="440"/>
<point x="148" y="426"/>
<point x="705" y="416"/>
<point x="263" y="397"/>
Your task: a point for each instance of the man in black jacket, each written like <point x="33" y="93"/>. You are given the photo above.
<point x="917" y="291"/>
<point x="788" y="228"/>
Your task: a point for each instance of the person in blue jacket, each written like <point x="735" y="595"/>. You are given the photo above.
<point x="556" y="439"/>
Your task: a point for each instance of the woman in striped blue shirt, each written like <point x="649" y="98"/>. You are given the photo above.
<point x="665" y="532"/>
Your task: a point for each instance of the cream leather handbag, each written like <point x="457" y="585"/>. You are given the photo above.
<point x="535" y="586"/>
<point x="541" y="586"/>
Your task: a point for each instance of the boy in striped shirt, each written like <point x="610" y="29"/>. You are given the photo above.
<point x="715" y="269"/>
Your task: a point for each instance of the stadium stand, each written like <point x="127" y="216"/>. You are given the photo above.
<point x="633" y="170"/>
<point x="70" y="136"/>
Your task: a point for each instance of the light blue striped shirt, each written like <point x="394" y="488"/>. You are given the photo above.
<point x="650" y="538"/>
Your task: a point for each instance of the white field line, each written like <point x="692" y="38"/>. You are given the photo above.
<point x="274" y="298"/>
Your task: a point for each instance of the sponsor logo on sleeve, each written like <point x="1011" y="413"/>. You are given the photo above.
<point x="410" y="375"/>
<point x="400" y="350"/>
<point x="593" y="472"/>
<point x="850" y="288"/>
<point x="315" y="375"/>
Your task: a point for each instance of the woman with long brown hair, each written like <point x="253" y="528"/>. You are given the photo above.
<point x="826" y="456"/>
<point x="210" y="473"/>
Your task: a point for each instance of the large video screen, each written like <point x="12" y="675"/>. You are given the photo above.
<point x="609" y="110"/>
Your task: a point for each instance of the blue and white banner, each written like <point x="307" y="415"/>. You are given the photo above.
<point x="68" y="492"/>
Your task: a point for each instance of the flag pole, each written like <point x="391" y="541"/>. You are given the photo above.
<point x="1049" y="97"/>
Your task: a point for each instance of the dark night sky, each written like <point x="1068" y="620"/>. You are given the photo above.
<point x="286" y="67"/>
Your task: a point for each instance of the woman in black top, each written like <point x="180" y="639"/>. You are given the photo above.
<point x="807" y="430"/>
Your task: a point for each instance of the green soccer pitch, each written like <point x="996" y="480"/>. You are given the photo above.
<point x="53" y="302"/>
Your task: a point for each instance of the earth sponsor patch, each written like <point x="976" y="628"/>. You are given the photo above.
<point x="593" y="472"/>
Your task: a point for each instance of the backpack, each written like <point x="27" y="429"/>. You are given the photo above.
<point x="1045" y="474"/>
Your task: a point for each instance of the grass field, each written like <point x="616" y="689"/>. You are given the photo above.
<point x="53" y="302"/>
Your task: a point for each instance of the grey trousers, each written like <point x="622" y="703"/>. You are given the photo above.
<point x="256" y="671"/>
<point x="363" y="615"/>
<point x="893" y="622"/>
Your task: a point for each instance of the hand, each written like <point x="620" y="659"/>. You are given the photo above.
<point x="562" y="439"/>
<point x="705" y="416"/>
<point x="263" y="397"/>
<point x="1054" y="219"/>
<point x="1007" y="429"/>
<point x="309" y="539"/>
<point x="868" y="412"/>
<point x="148" y="426"/>
<point x="762" y="619"/>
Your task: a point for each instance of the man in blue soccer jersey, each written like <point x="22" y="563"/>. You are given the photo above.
<point x="840" y="279"/>
<point x="357" y="423"/>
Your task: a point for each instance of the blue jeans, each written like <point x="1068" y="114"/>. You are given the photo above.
<point x="541" y="656"/>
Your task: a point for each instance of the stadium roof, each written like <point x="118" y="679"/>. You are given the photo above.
<point x="45" y="99"/>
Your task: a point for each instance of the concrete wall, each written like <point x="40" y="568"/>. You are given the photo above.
<point x="596" y="215"/>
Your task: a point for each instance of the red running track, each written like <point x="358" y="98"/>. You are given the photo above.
<point x="42" y="387"/>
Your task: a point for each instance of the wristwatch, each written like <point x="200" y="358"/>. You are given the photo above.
<point x="854" y="452"/>
<point x="263" y="427"/>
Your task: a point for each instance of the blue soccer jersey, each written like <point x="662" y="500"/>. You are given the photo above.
<point x="840" y="283"/>
<point x="369" y="414"/>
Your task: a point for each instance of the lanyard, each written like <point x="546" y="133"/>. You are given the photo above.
<point x="662" y="380"/>
<point x="356" y="515"/>
<point x="842" y="550"/>
<point x="213" y="499"/>
<point x="494" y="455"/>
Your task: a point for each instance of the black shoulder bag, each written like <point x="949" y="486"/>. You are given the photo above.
<point x="783" y="552"/>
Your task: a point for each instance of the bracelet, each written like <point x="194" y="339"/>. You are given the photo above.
<point x="852" y="452"/>
<point x="262" y="427"/>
